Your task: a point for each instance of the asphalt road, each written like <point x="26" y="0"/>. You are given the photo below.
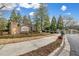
<point x="74" y="44"/>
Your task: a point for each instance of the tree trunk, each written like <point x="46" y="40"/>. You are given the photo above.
<point x="1" y="32"/>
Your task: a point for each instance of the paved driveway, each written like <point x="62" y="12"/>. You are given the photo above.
<point x="74" y="44"/>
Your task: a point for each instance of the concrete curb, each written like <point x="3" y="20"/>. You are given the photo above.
<point x="1" y="46"/>
<point x="67" y="46"/>
<point x="66" y="49"/>
<point x="58" y="50"/>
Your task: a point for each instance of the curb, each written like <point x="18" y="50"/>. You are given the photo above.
<point x="68" y="44"/>
<point x="66" y="49"/>
<point x="58" y="50"/>
<point x="1" y="46"/>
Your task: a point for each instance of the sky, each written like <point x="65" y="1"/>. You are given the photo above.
<point x="54" y="9"/>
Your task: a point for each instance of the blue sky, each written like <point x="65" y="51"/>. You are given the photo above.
<point x="54" y="9"/>
<point x="71" y="9"/>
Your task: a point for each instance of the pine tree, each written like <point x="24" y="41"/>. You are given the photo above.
<point x="13" y="16"/>
<point x="53" y="26"/>
<point x="41" y="15"/>
<point x="37" y="23"/>
<point x="60" y="23"/>
<point x="46" y="24"/>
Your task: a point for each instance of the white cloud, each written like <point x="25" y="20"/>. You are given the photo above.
<point x="64" y="8"/>
<point x="30" y="5"/>
<point x="25" y="5"/>
<point x="31" y="13"/>
<point x="11" y="6"/>
<point x="8" y="6"/>
<point x="69" y="13"/>
<point x="18" y="8"/>
<point x="36" y="6"/>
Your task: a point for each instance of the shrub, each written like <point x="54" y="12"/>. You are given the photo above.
<point x="60" y="37"/>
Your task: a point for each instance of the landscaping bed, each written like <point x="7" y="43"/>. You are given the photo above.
<point x="45" y="50"/>
<point x="22" y="35"/>
<point x="9" y="40"/>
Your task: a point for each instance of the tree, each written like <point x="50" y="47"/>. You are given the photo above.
<point x="2" y="25"/>
<point x="41" y="15"/>
<point x="29" y="19"/>
<point x="3" y="5"/>
<point x="53" y="26"/>
<point x="3" y="21"/>
<point x="6" y="5"/>
<point x="13" y="16"/>
<point x="18" y="16"/>
<point x="41" y="18"/>
<point x="26" y="20"/>
<point x="69" y="21"/>
<point x="46" y="23"/>
<point x="38" y="26"/>
<point x="8" y="26"/>
<point x="15" y="22"/>
<point x="60" y="23"/>
<point x="37" y="23"/>
<point x="30" y="23"/>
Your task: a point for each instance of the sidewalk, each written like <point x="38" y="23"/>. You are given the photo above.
<point x="26" y="46"/>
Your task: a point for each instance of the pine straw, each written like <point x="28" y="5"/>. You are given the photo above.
<point x="45" y="50"/>
<point x="15" y="40"/>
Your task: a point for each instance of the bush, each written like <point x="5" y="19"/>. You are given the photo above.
<point x="60" y="37"/>
<point x="62" y="33"/>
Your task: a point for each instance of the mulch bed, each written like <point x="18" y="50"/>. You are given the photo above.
<point x="27" y="38"/>
<point x="22" y="35"/>
<point x="45" y="50"/>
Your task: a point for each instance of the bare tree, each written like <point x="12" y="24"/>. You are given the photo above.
<point x="3" y="5"/>
<point x="69" y="21"/>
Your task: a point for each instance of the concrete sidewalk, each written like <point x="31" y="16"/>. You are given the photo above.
<point x="26" y="46"/>
<point x="66" y="49"/>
